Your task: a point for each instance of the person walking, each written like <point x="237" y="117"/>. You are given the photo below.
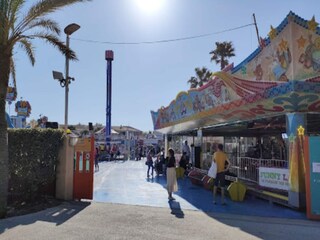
<point x="186" y="150"/>
<point x="149" y="163"/>
<point x="223" y="165"/>
<point x="96" y="159"/>
<point x="172" y="185"/>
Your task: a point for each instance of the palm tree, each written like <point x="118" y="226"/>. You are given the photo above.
<point x="202" y="76"/>
<point x="20" y="29"/>
<point x="222" y="52"/>
<point x="193" y="81"/>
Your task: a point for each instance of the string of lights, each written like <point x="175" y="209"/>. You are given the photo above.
<point x="163" y="41"/>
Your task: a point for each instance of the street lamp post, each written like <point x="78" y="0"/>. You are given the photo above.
<point x="71" y="28"/>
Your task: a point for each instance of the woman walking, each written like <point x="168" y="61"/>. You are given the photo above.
<point x="172" y="185"/>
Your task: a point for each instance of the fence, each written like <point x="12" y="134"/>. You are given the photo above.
<point x="248" y="168"/>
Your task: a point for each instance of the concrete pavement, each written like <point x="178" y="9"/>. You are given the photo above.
<point x="127" y="205"/>
<point x="126" y="182"/>
<point x="84" y="221"/>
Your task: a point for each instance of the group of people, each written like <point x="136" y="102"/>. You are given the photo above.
<point x="168" y="168"/>
<point x="220" y="158"/>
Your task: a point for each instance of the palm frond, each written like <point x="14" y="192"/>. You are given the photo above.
<point x="27" y="46"/>
<point x="47" y="24"/>
<point x="44" y="7"/>
<point x="41" y="9"/>
<point x="13" y="73"/>
<point x="53" y="40"/>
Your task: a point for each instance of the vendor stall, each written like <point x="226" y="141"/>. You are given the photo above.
<point x="257" y="106"/>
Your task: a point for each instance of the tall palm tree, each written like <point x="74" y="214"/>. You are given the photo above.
<point x="202" y="76"/>
<point x="193" y="81"/>
<point x="221" y="54"/>
<point x="20" y="29"/>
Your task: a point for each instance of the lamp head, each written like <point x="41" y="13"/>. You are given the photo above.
<point x="57" y="75"/>
<point x="71" y="28"/>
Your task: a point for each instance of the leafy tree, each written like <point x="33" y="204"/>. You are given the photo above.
<point x="202" y="77"/>
<point x="20" y="29"/>
<point x="221" y="54"/>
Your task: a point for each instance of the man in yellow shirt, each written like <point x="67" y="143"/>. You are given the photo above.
<point x="220" y="158"/>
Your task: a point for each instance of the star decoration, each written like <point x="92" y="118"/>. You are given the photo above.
<point x="292" y="138"/>
<point x="283" y="44"/>
<point x="300" y="130"/>
<point x="273" y="33"/>
<point x="301" y="42"/>
<point x="312" y="24"/>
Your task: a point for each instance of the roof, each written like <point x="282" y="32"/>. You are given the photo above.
<point x="121" y="129"/>
<point x="281" y="76"/>
<point x="103" y="130"/>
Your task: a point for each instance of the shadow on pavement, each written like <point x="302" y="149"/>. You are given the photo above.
<point x="176" y="209"/>
<point x="57" y="215"/>
<point x="128" y="184"/>
<point x="195" y="197"/>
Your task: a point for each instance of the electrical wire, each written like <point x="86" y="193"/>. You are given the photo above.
<point x="163" y="41"/>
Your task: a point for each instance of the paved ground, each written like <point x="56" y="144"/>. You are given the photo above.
<point x="125" y="182"/>
<point x="131" y="207"/>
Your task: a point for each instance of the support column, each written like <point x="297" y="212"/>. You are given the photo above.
<point x="297" y="197"/>
<point x="64" y="176"/>
<point x="198" y="149"/>
<point x="166" y="145"/>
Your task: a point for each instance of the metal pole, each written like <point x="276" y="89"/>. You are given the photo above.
<point x="257" y="31"/>
<point x="109" y="58"/>
<point x="66" y="88"/>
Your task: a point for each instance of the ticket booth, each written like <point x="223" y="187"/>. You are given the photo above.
<point x="312" y="163"/>
<point x="83" y="169"/>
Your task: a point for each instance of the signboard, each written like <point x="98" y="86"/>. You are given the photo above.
<point x="23" y="108"/>
<point x="277" y="178"/>
<point x="11" y="94"/>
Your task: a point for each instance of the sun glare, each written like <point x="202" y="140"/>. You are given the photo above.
<point x="150" y="6"/>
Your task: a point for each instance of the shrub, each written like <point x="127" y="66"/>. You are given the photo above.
<point x="33" y="156"/>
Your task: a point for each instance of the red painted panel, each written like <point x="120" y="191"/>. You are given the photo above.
<point x="83" y="173"/>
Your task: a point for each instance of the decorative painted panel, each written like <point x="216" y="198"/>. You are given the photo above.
<point x="281" y="76"/>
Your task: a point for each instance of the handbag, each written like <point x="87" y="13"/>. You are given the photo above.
<point x="212" y="172"/>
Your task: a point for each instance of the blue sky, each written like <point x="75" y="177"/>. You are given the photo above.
<point x="146" y="76"/>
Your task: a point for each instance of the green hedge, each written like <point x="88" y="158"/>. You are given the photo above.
<point x="33" y="156"/>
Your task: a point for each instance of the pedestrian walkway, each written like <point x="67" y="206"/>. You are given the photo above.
<point x="191" y="216"/>
<point x="125" y="182"/>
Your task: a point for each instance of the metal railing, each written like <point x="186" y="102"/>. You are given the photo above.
<point x="248" y="168"/>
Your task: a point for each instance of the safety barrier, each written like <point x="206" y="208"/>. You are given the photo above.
<point x="248" y="168"/>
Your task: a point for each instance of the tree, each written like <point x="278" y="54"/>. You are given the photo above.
<point x="202" y="76"/>
<point x="193" y="81"/>
<point x="19" y="29"/>
<point x="221" y="54"/>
